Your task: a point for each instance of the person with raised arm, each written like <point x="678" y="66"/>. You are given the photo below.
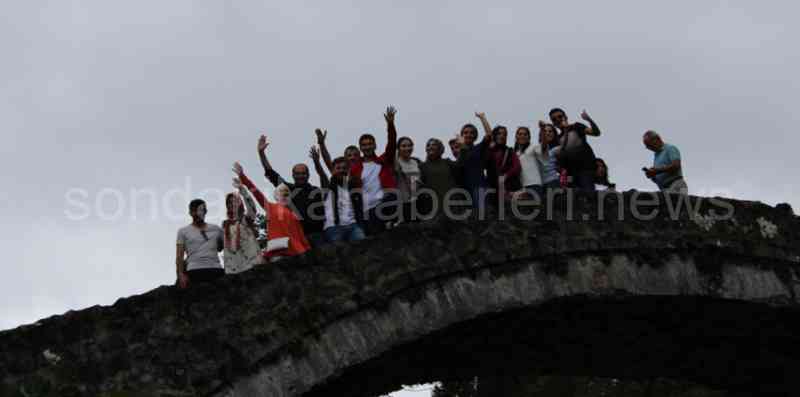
<point x="197" y="253"/>
<point x="503" y="164"/>
<point x="351" y="153"/>
<point x="472" y="161"/>
<point x="547" y="155"/>
<point x="576" y="155"/>
<point x="306" y="199"/>
<point x="241" y="251"/>
<point x="285" y="236"/>
<point x="530" y="172"/>
<point x="376" y="173"/>
<point x="343" y="203"/>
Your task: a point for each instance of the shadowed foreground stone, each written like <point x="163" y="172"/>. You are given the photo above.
<point x="713" y="301"/>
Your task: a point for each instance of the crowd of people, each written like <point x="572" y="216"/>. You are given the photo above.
<point x="364" y="193"/>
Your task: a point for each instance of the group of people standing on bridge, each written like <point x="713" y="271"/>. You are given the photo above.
<point x="363" y="193"/>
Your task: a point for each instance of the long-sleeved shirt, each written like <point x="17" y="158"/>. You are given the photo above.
<point x="472" y="161"/>
<point x="241" y="239"/>
<point x="304" y="198"/>
<point x="282" y="223"/>
<point x="504" y="163"/>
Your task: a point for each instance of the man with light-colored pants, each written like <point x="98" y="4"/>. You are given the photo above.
<point x="666" y="171"/>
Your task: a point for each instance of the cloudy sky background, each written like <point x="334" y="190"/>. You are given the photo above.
<point x="120" y="112"/>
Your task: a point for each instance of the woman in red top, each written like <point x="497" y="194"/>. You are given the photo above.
<point x="285" y="236"/>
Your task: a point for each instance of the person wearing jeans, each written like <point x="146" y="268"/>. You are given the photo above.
<point x="343" y="202"/>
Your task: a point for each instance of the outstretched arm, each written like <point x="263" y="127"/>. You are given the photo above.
<point x="323" y="178"/>
<point x="249" y="204"/>
<point x="274" y="178"/>
<point x="391" y="131"/>
<point x="593" y="129"/>
<point x="323" y="148"/>
<point x="260" y="198"/>
<point x="487" y="128"/>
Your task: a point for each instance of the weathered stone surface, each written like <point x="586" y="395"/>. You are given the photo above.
<point x="701" y="298"/>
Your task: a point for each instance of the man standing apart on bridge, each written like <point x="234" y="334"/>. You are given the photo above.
<point x="197" y="258"/>
<point x="666" y="171"/>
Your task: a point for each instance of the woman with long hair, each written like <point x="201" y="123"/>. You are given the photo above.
<point x="601" y="181"/>
<point x="241" y="250"/>
<point x="409" y="177"/>
<point x="531" y="173"/>
<point x="546" y="153"/>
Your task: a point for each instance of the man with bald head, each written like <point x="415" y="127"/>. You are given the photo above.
<point x="666" y="171"/>
<point x="305" y="199"/>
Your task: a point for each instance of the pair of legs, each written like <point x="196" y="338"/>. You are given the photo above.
<point x="679" y="186"/>
<point x="352" y="232"/>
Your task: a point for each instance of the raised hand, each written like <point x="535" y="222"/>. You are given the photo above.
<point x="321" y="135"/>
<point x="262" y="143"/>
<point x="237" y="183"/>
<point x="585" y="115"/>
<point x="542" y="124"/>
<point x="237" y="169"/>
<point x="480" y="115"/>
<point x="389" y="115"/>
<point x="314" y="153"/>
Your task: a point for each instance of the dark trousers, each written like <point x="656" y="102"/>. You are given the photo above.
<point x="204" y="275"/>
<point x="583" y="180"/>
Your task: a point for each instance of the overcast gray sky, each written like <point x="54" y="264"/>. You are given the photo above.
<point x="100" y="98"/>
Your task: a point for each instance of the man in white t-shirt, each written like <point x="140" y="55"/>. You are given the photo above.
<point x="376" y="174"/>
<point x="197" y="258"/>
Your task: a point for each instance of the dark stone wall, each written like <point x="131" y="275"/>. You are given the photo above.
<point x="224" y="338"/>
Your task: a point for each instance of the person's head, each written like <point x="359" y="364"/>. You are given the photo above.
<point x="197" y="210"/>
<point x="434" y="149"/>
<point x="559" y="118"/>
<point x="652" y="141"/>
<point x="500" y="135"/>
<point x="340" y="167"/>
<point x="234" y="205"/>
<point x="469" y="134"/>
<point x="522" y="138"/>
<point x="405" y="147"/>
<point x="367" y="145"/>
<point x="282" y="194"/>
<point x="547" y="135"/>
<point x="455" y="147"/>
<point x="601" y="174"/>
<point x="351" y="153"/>
<point x="300" y="174"/>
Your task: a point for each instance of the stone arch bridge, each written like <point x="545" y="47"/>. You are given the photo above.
<point x="710" y="297"/>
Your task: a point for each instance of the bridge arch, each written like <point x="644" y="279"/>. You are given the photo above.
<point x="695" y="297"/>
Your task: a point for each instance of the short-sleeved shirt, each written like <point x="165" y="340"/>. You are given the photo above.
<point x="549" y="164"/>
<point x="663" y="157"/>
<point x="201" y="253"/>
<point x="578" y="154"/>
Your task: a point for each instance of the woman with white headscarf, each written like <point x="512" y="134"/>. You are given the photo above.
<point x="285" y="236"/>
